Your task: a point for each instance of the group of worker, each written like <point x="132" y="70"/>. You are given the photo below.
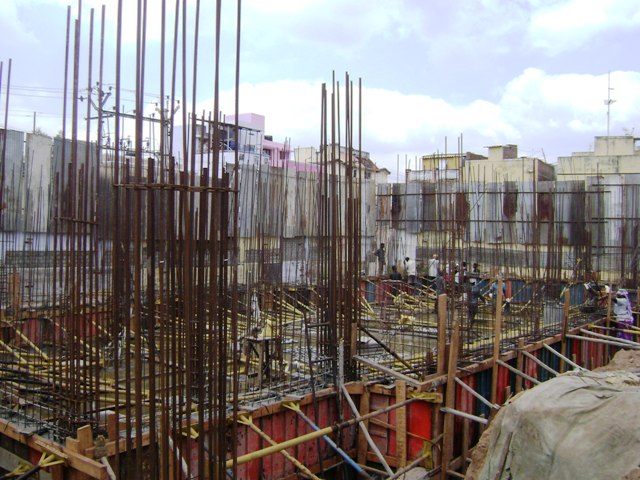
<point x="469" y="280"/>
<point x="621" y="305"/>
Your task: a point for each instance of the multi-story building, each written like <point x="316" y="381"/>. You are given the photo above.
<point x="503" y="164"/>
<point x="617" y="155"/>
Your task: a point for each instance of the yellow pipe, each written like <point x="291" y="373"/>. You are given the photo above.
<point x="31" y="344"/>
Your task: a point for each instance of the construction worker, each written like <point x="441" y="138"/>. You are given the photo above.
<point x="381" y="255"/>
<point x="411" y="272"/>
<point x="438" y="285"/>
<point x="622" y="311"/>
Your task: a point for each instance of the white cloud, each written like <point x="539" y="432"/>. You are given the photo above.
<point x="563" y="26"/>
<point x="339" y="26"/>
<point x="13" y="27"/>
<point x="557" y="113"/>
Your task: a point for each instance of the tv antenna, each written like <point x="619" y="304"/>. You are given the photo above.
<point x="608" y="102"/>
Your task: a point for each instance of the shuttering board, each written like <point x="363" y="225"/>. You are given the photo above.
<point x="383" y="437"/>
<point x="465" y="402"/>
<point x="531" y="369"/>
<point x="419" y="427"/>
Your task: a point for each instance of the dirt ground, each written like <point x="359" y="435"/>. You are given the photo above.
<point x="623" y="360"/>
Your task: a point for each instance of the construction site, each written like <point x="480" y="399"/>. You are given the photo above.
<point x="179" y="302"/>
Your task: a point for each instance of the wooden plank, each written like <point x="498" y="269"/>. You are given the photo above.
<point x="565" y="325"/>
<point x="441" y="365"/>
<point x="496" y="342"/>
<point x="520" y="365"/>
<point x="74" y="460"/>
<point x="450" y="399"/>
<point x="73" y="444"/>
<point x="441" y="372"/>
<point x="401" y="424"/>
<point x="372" y="445"/>
<point x="466" y="437"/>
<point x="112" y="426"/>
<point x="85" y="437"/>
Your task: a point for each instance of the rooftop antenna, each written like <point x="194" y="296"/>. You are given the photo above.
<point x="608" y="103"/>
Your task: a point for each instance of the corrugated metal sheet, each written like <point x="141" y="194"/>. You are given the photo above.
<point x="15" y="180"/>
<point x="39" y="191"/>
<point x="413" y="208"/>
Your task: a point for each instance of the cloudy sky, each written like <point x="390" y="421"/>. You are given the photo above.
<point x="529" y="72"/>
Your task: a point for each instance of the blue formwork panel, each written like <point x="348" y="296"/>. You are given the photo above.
<point x="483" y="387"/>
<point x="521" y="292"/>
<point x="370" y="292"/>
<point x="577" y="294"/>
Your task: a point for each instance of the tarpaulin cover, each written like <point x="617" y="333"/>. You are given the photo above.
<point x="577" y="425"/>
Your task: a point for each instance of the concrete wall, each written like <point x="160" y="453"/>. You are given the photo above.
<point x="516" y="170"/>
<point x="620" y="145"/>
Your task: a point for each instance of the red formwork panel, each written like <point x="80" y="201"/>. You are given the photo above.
<point x="264" y="424"/>
<point x="382" y="437"/>
<point x="531" y="369"/>
<point x="576" y="350"/>
<point x="349" y="436"/>
<point x="419" y="417"/>
<point x="32" y="328"/>
<point x="382" y="292"/>
<point x="392" y="449"/>
<point x="292" y="424"/>
<point x="308" y="451"/>
<point x="502" y="384"/>
<point x="465" y="402"/>
<point x="419" y="424"/>
<point x="327" y="415"/>
<point x="590" y="354"/>
<point x="597" y="355"/>
<point x="248" y="441"/>
<point x="273" y="426"/>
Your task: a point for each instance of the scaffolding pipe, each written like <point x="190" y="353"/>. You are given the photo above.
<point x="327" y="439"/>
<point x="562" y="357"/>
<point x="518" y="372"/>
<point x="366" y="433"/>
<point x="605" y="342"/>
<point x="458" y="413"/>
<point x="313" y="435"/>
<point x="476" y="394"/>
<point x="539" y="362"/>
<point x="631" y="343"/>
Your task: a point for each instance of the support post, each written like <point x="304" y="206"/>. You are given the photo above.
<point x="565" y="327"/>
<point x="606" y="355"/>
<point x="465" y="443"/>
<point x="401" y="424"/>
<point x="520" y="365"/>
<point x="450" y="400"/>
<point x="364" y="430"/>
<point x="441" y="367"/>
<point x="497" y="336"/>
